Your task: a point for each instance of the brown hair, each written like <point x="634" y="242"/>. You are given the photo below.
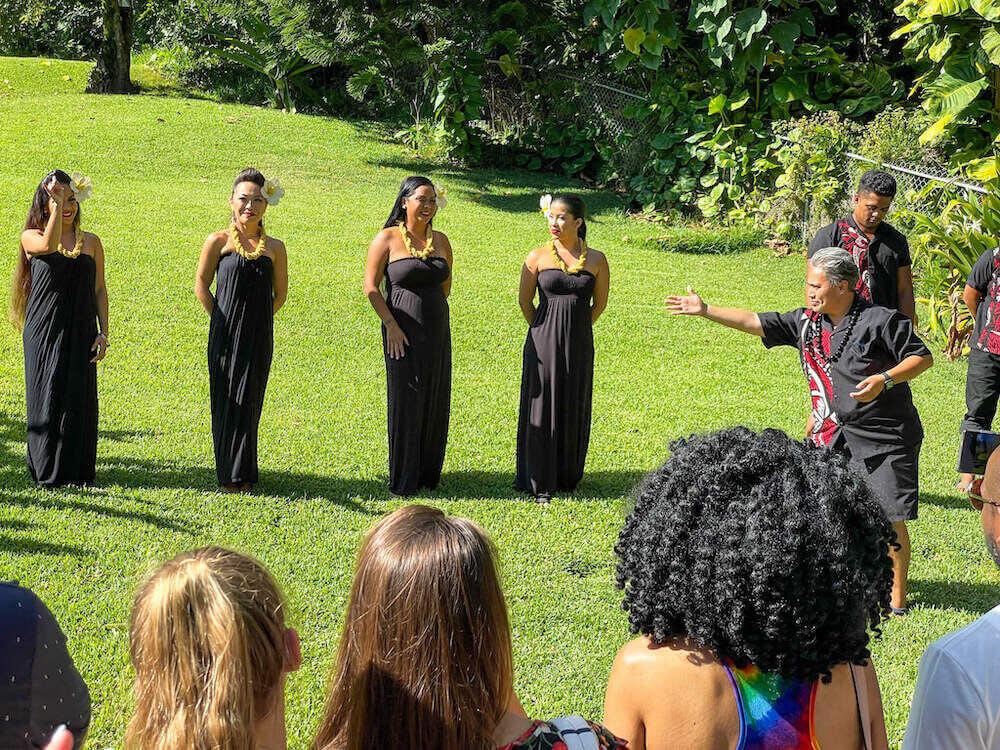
<point x="38" y="217"/>
<point x="207" y="644"/>
<point x="425" y="657"/>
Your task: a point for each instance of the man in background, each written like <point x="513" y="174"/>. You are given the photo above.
<point x="880" y="251"/>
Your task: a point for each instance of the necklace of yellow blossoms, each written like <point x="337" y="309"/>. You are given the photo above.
<point x="576" y="267"/>
<point x="77" y="249"/>
<point x="428" y="245"/>
<point x="241" y="249"/>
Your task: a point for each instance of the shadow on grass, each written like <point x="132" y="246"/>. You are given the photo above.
<point x="972" y="597"/>
<point x="21" y="546"/>
<point x="64" y="498"/>
<point x="953" y="501"/>
<point x="499" y="485"/>
<point x="140" y="474"/>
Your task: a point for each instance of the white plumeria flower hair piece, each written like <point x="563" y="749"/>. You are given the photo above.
<point x="81" y="185"/>
<point x="441" y="195"/>
<point x="273" y="192"/>
<point x="545" y="203"/>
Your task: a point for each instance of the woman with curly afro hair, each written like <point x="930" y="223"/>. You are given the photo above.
<point x="752" y="566"/>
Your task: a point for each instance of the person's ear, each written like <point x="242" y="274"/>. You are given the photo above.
<point x="856" y="198"/>
<point x="293" y="650"/>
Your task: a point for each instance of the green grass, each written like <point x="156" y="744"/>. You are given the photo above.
<point x="162" y="169"/>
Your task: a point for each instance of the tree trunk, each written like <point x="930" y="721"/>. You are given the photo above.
<point x="112" y="73"/>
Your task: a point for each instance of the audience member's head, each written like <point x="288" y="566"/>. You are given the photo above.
<point x="424" y="661"/>
<point x="210" y="651"/>
<point x="876" y="191"/>
<point x="989" y="492"/>
<point x="40" y="689"/>
<point x="761" y="549"/>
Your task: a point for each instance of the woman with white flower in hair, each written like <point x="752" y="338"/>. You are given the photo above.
<point x="59" y="300"/>
<point x="415" y="262"/>
<point x="557" y="378"/>
<point x="251" y="282"/>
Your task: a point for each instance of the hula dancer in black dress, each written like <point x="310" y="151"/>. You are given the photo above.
<point x="557" y="378"/>
<point x="415" y="262"/>
<point x="857" y="359"/>
<point x="251" y="282"/>
<point x="59" y="299"/>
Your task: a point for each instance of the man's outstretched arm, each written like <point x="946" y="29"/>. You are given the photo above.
<point x="733" y="317"/>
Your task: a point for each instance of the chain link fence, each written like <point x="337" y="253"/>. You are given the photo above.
<point x="915" y="188"/>
<point x="515" y="112"/>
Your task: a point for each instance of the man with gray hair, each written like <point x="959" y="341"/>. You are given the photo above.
<point x="857" y="358"/>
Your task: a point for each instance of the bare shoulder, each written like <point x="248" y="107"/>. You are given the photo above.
<point x="643" y="656"/>
<point x="440" y="237"/>
<point x="536" y="255"/>
<point x="276" y="246"/>
<point x="31" y="233"/>
<point x="217" y="240"/>
<point x="91" y="243"/>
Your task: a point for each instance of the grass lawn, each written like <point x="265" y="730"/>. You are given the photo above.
<point x="162" y="167"/>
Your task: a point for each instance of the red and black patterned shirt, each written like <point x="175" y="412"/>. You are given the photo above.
<point x="985" y="279"/>
<point x="880" y="339"/>
<point x="878" y="258"/>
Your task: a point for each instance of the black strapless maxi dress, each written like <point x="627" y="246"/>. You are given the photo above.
<point x="557" y="383"/>
<point x="60" y="325"/>
<point x="419" y="384"/>
<point x="240" y="346"/>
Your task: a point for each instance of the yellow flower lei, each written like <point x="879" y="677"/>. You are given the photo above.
<point x="77" y="249"/>
<point x="576" y="267"/>
<point x="428" y="244"/>
<point x="239" y="247"/>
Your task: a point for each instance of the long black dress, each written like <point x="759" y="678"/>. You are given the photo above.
<point x="60" y="325"/>
<point x="240" y="345"/>
<point x="419" y="383"/>
<point x="557" y="383"/>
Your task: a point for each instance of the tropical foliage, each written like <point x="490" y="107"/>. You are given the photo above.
<point x="948" y="245"/>
<point x="957" y="45"/>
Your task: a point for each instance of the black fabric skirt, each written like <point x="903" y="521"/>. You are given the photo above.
<point x="893" y="478"/>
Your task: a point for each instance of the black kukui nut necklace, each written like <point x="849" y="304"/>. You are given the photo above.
<point x="815" y="339"/>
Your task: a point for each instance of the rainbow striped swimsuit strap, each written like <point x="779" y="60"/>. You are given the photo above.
<point x="775" y="713"/>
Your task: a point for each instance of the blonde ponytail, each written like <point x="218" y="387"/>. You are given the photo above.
<point x="207" y="645"/>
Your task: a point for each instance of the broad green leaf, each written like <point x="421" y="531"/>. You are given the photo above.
<point x="653" y="44"/>
<point x="990" y="42"/>
<point x="983" y="169"/>
<point x="723" y="31"/>
<point x="786" y="34"/>
<point x="988" y="9"/>
<point x="738" y="103"/>
<point x="749" y="22"/>
<point x="940" y="48"/>
<point x="936" y="130"/>
<point x="633" y="37"/>
<point x="717" y="104"/>
<point x="910" y="28"/>
<point x="943" y="8"/>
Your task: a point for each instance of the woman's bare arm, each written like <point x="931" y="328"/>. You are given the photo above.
<point x="601" y="287"/>
<point x="280" y="283"/>
<point x="448" y="256"/>
<point x="529" y="283"/>
<point x="208" y="262"/>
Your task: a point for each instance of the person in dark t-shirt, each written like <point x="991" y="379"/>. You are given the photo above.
<point x="857" y="358"/>
<point x="982" y="382"/>
<point x="880" y="251"/>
